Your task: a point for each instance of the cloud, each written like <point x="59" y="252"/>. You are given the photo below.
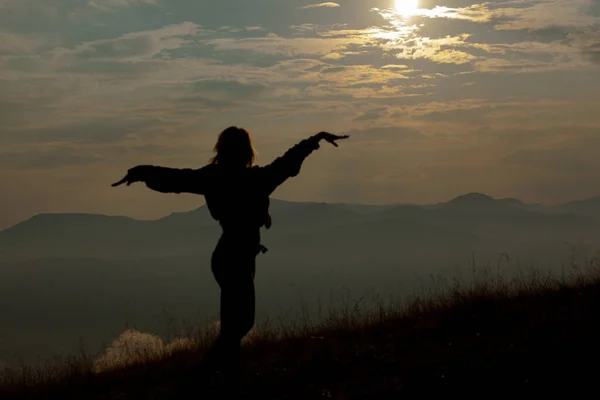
<point x="111" y="4"/>
<point x="85" y="130"/>
<point x="517" y="15"/>
<point x="339" y="44"/>
<point x="207" y="103"/>
<point x="371" y="115"/>
<point x="543" y="14"/>
<point x="503" y="65"/>
<point x="386" y="133"/>
<point x="129" y="47"/>
<point x="333" y="70"/>
<point x="571" y="53"/>
<point x="328" y="4"/>
<point x="231" y="87"/>
<point x="587" y="43"/>
<point x="11" y="43"/>
<point x="52" y="158"/>
<point x="292" y="47"/>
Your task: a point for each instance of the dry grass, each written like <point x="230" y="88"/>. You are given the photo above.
<point x="485" y="329"/>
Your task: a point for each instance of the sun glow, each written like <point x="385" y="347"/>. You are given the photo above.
<point x="406" y="7"/>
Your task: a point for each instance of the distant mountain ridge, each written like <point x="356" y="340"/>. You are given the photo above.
<point x="590" y="206"/>
<point x="193" y="233"/>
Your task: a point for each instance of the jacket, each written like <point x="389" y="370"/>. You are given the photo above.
<point x="237" y="198"/>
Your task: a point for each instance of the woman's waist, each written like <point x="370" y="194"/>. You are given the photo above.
<point x="241" y="240"/>
<point x="245" y="233"/>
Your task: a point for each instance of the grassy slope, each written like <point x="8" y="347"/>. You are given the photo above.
<point x="533" y="336"/>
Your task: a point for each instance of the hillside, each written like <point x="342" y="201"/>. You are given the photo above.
<point x="536" y="336"/>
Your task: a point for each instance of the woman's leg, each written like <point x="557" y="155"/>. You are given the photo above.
<point x="234" y="270"/>
<point x="237" y="311"/>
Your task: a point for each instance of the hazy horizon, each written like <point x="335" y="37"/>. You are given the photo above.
<point x="453" y="97"/>
<point x="202" y="204"/>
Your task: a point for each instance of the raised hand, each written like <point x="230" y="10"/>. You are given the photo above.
<point x="331" y="138"/>
<point x="122" y="181"/>
<point x="135" y="174"/>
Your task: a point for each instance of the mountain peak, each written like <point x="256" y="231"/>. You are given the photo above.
<point x="473" y="198"/>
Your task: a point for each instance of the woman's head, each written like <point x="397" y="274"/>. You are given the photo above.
<point x="234" y="148"/>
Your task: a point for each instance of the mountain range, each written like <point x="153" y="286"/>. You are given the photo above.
<point x="194" y="233"/>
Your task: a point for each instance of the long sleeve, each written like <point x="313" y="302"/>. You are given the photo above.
<point x="288" y="165"/>
<point x="174" y="180"/>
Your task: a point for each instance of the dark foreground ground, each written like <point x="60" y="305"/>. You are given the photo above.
<point x="539" y="338"/>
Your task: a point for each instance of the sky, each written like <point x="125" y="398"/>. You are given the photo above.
<point x="455" y="96"/>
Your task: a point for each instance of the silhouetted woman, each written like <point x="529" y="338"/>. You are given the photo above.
<point x="237" y="195"/>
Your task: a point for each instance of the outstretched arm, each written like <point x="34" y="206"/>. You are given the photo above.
<point x="169" y="180"/>
<point x="289" y="164"/>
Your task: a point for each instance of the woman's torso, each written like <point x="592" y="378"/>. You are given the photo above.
<point x="236" y="201"/>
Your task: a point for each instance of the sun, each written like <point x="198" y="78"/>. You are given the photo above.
<point x="406" y="7"/>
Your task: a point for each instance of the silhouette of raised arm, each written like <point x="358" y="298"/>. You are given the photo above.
<point x="289" y="165"/>
<point x="198" y="181"/>
<point x="170" y="180"/>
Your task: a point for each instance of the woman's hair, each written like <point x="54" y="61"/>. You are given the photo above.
<point x="234" y="148"/>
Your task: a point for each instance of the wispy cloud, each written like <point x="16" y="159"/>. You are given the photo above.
<point x="131" y="46"/>
<point x="517" y="15"/>
<point x="587" y="42"/>
<point x="110" y="4"/>
<point x="13" y="43"/>
<point x="543" y="14"/>
<point x="51" y="158"/>
<point x="328" y="4"/>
